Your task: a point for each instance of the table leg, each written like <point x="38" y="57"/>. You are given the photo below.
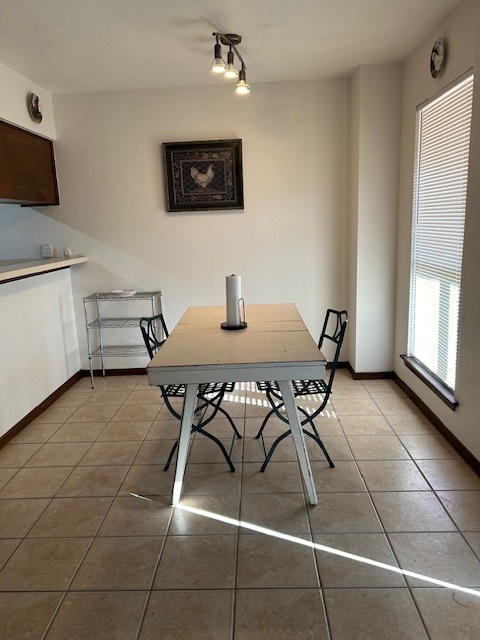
<point x="298" y="438"/>
<point x="189" y="403"/>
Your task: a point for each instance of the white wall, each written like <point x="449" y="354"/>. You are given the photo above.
<point x="13" y="104"/>
<point x="462" y="33"/>
<point x="374" y="162"/>
<point x="289" y="243"/>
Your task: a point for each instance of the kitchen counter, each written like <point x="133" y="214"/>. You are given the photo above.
<point x="14" y="269"/>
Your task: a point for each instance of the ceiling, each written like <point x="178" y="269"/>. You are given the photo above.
<point x="74" y="46"/>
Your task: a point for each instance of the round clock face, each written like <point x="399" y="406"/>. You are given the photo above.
<point x="35" y="108"/>
<point x="437" y="58"/>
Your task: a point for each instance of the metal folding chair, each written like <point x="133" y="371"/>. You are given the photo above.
<point x="210" y="395"/>
<point x="334" y="327"/>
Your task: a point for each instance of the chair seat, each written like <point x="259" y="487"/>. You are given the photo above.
<point x="267" y="386"/>
<point x="308" y="387"/>
<point x="178" y="390"/>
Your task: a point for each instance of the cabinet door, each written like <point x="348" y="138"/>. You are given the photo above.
<point x="27" y="168"/>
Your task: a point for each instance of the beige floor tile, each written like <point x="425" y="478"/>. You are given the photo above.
<point x="92" y="414"/>
<point x="473" y="539"/>
<point x="126" y="563"/>
<point x="110" y="453"/>
<point x="444" y="556"/>
<point x="134" y="516"/>
<point x="35" y="433"/>
<point x="405" y="424"/>
<point x="59" y="454"/>
<point x="280" y="614"/>
<point x="383" y="389"/>
<point x="428" y="447"/>
<point x="155" y="452"/>
<point x="463" y="507"/>
<point x="273" y="428"/>
<point x="6" y="475"/>
<point x="394" y="406"/>
<point x="197" y="562"/>
<point x="349" y="390"/>
<point x="169" y="610"/>
<point x="145" y="396"/>
<point x="344" y="477"/>
<point x="142" y="382"/>
<point x="106" y="398"/>
<point x="70" y="518"/>
<point x="253" y="450"/>
<point x="72" y="399"/>
<point x="278" y="477"/>
<point x="36" y="482"/>
<point x="339" y="572"/>
<point x="204" y="450"/>
<point x="449" y="614"/>
<point x="221" y="427"/>
<point x="84" y="384"/>
<point x="336" y="446"/>
<point x="55" y="414"/>
<point x="268" y="562"/>
<point x="449" y="474"/>
<point x="124" y="431"/>
<point x="344" y="513"/>
<point x="218" y="506"/>
<point x="148" y="480"/>
<point x="377" y="448"/>
<point x="373" y="614"/>
<point x="121" y="383"/>
<point x="411" y="511"/>
<point x="78" y="432"/>
<point x="18" y="516"/>
<point x="26" y="616"/>
<point x="130" y="412"/>
<point x="43" y="564"/>
<point x="355" y="407"/>
<point x="16" y="455"/>
<point x="201" y="479"/>
<point x="366" y="426"/>
<point x="93" y="481"/>
<point x="99" y="616"/>
<point x="164" y="429"/>
<point x="285" y="512"/>
<point x="7" y="547"/>
<point x="392" y="475"/>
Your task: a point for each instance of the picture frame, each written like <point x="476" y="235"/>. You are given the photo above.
<point x="203" y="175"/>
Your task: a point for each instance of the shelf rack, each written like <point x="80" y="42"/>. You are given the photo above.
<point x="96" y="326"/>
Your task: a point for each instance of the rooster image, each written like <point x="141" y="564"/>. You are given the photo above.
<point x="203" y="179"/>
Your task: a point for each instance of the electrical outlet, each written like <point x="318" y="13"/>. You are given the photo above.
<point x="47" y="251"/>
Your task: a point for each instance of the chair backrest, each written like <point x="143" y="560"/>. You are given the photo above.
<point x="334" y="328"/>
<point x="151" y="336"/>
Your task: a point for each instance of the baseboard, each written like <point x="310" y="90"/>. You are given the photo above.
<point x="15" y="430"/>
<point x="139" y="371"/>
<point x="460" y="448"/>
<point x="377" y="375"/>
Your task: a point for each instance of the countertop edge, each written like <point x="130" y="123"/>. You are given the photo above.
<point x="36" y="267"/>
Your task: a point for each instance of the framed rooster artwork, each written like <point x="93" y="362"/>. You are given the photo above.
<point x="203" y="176"/>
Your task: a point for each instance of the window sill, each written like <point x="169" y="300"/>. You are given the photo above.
<point x="437" y="386"/>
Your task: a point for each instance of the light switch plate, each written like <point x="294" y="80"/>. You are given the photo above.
<point x="47" y="250"/>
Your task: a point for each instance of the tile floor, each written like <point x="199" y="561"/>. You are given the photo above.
<point x="90" y="547"/>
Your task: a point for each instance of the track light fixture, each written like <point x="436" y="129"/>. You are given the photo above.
<point x="218" y="65"/>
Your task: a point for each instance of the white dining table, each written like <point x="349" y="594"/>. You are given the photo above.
<point x="275" y="345"/>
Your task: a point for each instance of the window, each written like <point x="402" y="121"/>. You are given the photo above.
<point x="439" y="199"/>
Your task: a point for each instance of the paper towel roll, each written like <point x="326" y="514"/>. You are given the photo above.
<point x="234" y="293"/>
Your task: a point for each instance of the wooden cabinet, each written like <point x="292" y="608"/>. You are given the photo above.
<point x="27" y="168"/>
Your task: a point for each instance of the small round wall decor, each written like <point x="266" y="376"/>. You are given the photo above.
<point x="437" y="58"/>
<point x="35" y="108"/>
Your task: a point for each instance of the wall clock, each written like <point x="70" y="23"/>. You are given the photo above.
<point x="437" y="58"/>
<point x="35" y="108"/>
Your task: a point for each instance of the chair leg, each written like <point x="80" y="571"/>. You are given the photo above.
<point x="266" y="419"/>
<point x="318" y="440"/>
<point x="220" y="444"/>
<point x="272" y="449"/>
<point x="172" y="453"/>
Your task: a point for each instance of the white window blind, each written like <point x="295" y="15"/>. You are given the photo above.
<point x="440" y="191"/>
